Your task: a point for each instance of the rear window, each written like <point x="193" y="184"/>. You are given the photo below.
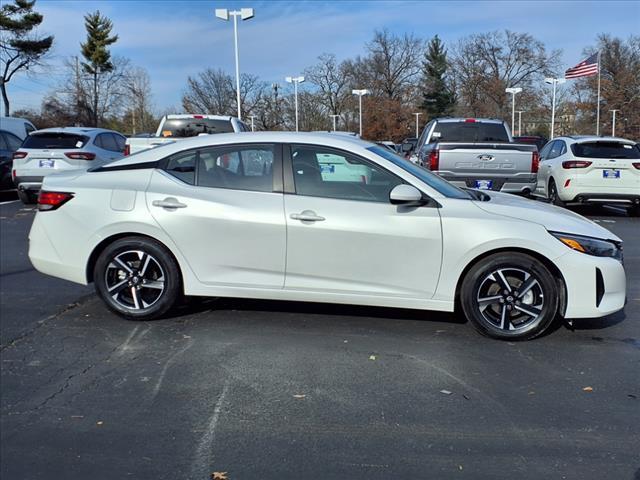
<point x="192" y="127"/>
<point x="55" y="140"/>
<point x="606" y="150"/>
<point x="469" y="132"/>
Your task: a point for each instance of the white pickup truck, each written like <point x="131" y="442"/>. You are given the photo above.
<point x="176" y="127"/>
<point x="478" y="153"/>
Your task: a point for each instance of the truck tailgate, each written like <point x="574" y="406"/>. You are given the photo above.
<point x="481" y="159"/>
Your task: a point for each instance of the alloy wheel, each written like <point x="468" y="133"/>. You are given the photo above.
<point x="510" y="299"/>
<point x="134" y="279"/>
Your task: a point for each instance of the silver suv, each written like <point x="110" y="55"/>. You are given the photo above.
<point x="54" y="150"/>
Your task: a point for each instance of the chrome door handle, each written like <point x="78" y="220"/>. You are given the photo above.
<point x="307" y="216"/>
<point x="169" y="202"/>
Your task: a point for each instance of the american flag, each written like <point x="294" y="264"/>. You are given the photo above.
<point x="585" y="68"/>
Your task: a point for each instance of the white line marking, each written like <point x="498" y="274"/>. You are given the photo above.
<point x="9" y="201"/>
<point x="122" y="348"/>
<point x="204" y="455"/>
<point x="156" y="387"/>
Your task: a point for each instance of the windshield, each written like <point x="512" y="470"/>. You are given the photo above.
<point x="606" y="150"/>
<point x="192" y="127"/>
<point x="55" y="140"/>
<point x="431" y="179"/>
<point x="470" y="132"/>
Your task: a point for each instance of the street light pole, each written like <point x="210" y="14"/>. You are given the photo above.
<point x="244" y="14"/>
<point x="519" y="112"/>
<point x="554" y="82"/>
<point x="295" y="81"/>
<point x="513" y="91"/>
<point x="361" y="93"/>
<point x="334" y="117"/>
<point x="613" y="125"/>
<point x="417" y="114"/>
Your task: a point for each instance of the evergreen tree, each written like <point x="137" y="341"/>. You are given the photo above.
<point x="96" y="54"/>
<point x="438" y="98"/>
<point x="20" y="48"/>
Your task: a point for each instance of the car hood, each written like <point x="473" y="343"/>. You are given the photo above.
<point x="554" y="219"/>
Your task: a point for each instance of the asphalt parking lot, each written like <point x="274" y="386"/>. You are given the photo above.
<point x="293" y="390"/>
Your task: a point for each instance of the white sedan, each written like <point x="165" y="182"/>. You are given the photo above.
<point x="252" y="215"/>
<point x="590" y="170"/>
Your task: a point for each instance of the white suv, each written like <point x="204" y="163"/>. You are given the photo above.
<point x="590" y="170"/>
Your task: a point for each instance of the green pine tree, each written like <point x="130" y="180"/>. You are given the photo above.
<point x="96" y="54"/>
<point x="20" y="47"/>
<point x="438" y="98"/>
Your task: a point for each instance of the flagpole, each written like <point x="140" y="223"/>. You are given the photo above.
<point x="598" y="106"/>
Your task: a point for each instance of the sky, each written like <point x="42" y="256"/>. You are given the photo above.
<point x="176" y="39"/>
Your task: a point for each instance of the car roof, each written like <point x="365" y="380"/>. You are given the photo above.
<point x="179" y="116"/>
<point x="74" y="130"/>
<point x="325" y="139"/>
<point x="461" y="119"/>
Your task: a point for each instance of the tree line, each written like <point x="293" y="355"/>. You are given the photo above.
<point x="405" y="74"/>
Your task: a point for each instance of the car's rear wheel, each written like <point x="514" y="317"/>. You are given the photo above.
<point x="510" y="296"/>
<point x="137" y="278"/>
<point x="26" y="197"/>
<point x="553" y="194"/>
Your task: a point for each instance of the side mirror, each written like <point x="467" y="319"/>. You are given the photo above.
<point x="407" y="147"/>
<point x="406" y="195"/>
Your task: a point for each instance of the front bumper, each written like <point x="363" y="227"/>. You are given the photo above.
<point x="596" y="286"/>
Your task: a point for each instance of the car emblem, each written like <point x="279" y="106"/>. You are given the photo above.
<point x="486" y="158"/>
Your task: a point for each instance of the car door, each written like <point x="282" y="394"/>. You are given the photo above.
<point x="220" y="207"/>
<point x="545" y="168"/>
<point x="343" y="234"/>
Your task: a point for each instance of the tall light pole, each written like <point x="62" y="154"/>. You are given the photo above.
<point x="417" y="114"/>
<point x="554" y="82"/>
<point x="613" y="124"/>
<point x="361" y="93"/>
<point x="253" y="128"/>
<point x="334" y="117"/>
<point x="519" y="112"/>
<point x="295" y="81"/>
<point x="244" y="14"/>
<point x="513" y="91"/>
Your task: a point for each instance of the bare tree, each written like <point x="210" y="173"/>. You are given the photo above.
<point x="487" y="63"/>
<point x="332" y="81"/>
<point x="137" y="85"/>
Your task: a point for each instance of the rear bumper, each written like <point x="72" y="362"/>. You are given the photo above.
<point x="29" y="183"/>
<point x="500" y="184"/>
<point x="590" y="197"/>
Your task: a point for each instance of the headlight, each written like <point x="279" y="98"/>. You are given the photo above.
<point x="591" y="246"/>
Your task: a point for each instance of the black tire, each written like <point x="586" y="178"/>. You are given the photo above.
<point x="500" y="316"/>
<point x="151" y="276"/>
<point x="634" y="210"/>
<point x="553" y="194"/>
<point x="27" y="198"/>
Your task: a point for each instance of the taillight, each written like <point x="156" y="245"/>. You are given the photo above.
<point x="127" y="150"/>
<point x="469" y="120"/>
<point x="18" y="155"/>
<point x="636" y="165"/>
<point x="13" y="174"/>
<point x="52" y="200"/>
<point x="434" y="159"/>
<point x="198" y="116"/>
<point x="535" y="162"/>
<point x="575" y="164"/>
<point x="80" y="155"/>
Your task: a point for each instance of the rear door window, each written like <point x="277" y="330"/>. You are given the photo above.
<point x="183" y="166"/>
<point x="55" y="140"/>
<point x="606" y="150"/>
<point x="13" y="142"/>
<point x="107" y="142"/>
<point x="239" y="167"/>
<point x="469" y="132"/>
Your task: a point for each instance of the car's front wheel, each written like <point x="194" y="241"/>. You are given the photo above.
<point x="510" y="296"/>
<point x="137" y="278"/>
